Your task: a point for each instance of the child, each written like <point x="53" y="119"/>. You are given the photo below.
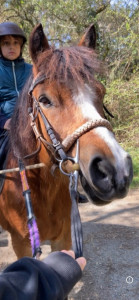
<point x="13" y="69"/>
<point x="14" y="72"/>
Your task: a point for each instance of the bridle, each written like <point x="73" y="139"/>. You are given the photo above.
<point x="58" y="149"/>
<point x="56" y="145"/>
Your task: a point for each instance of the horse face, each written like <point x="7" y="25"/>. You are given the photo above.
<point x="106" y="169"/>
<point x="71" y="97"/>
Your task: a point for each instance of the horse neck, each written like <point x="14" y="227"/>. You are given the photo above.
<point x="22" y="139"/>
<point x="47" y="181"/>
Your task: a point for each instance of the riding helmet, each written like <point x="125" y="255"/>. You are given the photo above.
<point x="10" y="28"/>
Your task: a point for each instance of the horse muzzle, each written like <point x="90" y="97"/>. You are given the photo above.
<point x="107" y="181"/>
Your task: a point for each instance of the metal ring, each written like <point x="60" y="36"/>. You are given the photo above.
<point x="60" y="165"/>
<point x="56" y="158"/>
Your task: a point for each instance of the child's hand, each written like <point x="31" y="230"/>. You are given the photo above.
<point x="7" y="124"/>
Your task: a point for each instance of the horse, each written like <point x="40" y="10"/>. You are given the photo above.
<point x="64" y="92"/>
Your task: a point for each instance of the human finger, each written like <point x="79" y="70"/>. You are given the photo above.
<point x="82" y="262"/>
<point x="69" y="252"/>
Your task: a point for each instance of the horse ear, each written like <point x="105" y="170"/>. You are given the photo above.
<point x="37" y="42"/>
<point x="89" y="38"/>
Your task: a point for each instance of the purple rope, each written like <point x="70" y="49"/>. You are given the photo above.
<point x="34" y="236"/>
<point x="32" y="225"/>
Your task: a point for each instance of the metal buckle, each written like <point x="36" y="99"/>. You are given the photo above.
<point x="56" y="144"/>
<point x="75" y="174"/>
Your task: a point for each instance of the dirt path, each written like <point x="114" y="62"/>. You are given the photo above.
<point x="111" y="247"/>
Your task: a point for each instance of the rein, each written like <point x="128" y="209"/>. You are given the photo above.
<point x="32" y="224"/>
<point x="58" y="150"/>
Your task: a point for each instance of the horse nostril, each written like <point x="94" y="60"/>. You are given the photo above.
<point x="98" y="168"/>
<point x="101" y="172"/>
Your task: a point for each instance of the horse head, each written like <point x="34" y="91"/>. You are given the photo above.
<point x="71" y="98"/>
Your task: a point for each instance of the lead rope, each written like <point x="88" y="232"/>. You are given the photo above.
<point x="32" y="224"/>
<point x="76" y="225"/>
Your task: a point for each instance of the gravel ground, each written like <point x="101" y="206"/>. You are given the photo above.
<point x="111" y="247"/>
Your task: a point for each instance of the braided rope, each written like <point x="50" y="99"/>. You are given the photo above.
<point x="70" y="139"/>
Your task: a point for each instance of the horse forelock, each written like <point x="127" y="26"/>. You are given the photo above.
<point x="71" y="64"/>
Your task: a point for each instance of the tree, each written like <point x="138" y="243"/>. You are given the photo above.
<point x="64" y="20"/>
<point x="119" y="31"/>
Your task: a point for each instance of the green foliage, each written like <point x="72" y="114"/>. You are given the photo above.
<point x="122" y="99"/>
<point x="134" y="152"/>
<point x="63" y="20"/>
<point x="119" y="38"/>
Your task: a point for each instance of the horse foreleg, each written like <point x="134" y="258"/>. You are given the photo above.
<point x="21" y="245"/>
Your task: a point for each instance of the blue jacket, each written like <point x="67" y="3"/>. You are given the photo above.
<point x="13" y="75"/>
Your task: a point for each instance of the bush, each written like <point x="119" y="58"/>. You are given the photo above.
<point x="122" y="99"/>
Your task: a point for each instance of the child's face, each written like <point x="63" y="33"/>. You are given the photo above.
<point x="11" y="46"/>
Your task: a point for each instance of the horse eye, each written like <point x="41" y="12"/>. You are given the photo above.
<point x="44" y="100"/>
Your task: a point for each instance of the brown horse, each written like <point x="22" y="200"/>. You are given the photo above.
<point x="63" y="90"/>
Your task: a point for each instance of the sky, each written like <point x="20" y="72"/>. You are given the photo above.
<point x="130" y="2"/>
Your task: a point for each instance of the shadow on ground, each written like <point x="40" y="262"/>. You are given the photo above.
<point x="112" y="253"/>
